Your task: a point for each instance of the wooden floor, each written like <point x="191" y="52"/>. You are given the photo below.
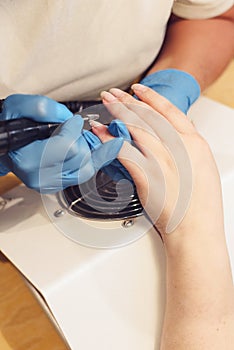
<point x="23" y="323"/>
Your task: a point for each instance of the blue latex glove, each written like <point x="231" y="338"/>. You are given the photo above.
<point x="39" y="108"/>
<point x="65" y="158"/>
<point x="179" y="87"/>
<point x="3" y="170"/>
<point x="115" y="169"/>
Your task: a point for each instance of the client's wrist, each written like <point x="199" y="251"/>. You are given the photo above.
<point x="197" y="241"/>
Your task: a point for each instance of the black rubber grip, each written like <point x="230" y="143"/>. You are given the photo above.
<point x="16" y="133"/>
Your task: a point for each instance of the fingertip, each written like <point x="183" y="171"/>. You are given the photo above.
<point x="139" y="88"/>
<point x="101" y="131"/>
<point x="94" y="124"/>
<point x="117" y="92"/>
<point x="108" y="97"/>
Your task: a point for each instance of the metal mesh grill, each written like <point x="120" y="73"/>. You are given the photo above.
<point x="104" y="204"/>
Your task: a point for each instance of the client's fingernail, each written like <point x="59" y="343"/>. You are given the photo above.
<point x="117" y="92"/>
<point x="95" y="124"/>
<point x="107" y="96"/>
<point x="139" y="87"/>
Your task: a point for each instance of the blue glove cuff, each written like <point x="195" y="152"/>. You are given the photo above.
<point x="3" y="169"/>
<point x="179" y="87"/>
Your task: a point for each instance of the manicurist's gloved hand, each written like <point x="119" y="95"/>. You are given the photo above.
<point x="115" y="170"/>
<point x="179" y="87"/>
<point x="3" y="170"/>
<point x="65" y="158"/>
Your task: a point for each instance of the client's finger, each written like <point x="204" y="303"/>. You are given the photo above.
<point x="157" y="122"/>
<point x="120" y="111"/>
<point x="164" y="107"/>
<point x="141" y="132"/>
<point x="143" y="110"/>
<point x="100" y="131"/>
<point x="128" y="99"/>
<point x="151" y="130"/>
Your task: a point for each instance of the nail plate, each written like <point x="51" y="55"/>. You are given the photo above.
<point x="95" y="124"/>
<point x="139" y="87"/>
<point x="117" y="92"/>
<point x="107" y="96"/>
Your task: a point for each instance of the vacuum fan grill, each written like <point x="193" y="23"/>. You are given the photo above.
<point x="98" y="199"/>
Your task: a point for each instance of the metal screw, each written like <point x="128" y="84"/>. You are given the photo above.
<point x="128" y="223"/>
<point x="58" y="213"/>
<point x="3" y="203"/>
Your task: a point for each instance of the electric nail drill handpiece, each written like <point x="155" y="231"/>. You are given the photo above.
<point x="16" y="133"/>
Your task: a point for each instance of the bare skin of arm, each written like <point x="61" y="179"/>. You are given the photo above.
<point x="200" y="293"/>
<point x="202" y="48"/>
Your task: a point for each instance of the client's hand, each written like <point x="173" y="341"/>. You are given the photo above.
<point x="171" y="164"/>
<point x="179" y="186"/>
